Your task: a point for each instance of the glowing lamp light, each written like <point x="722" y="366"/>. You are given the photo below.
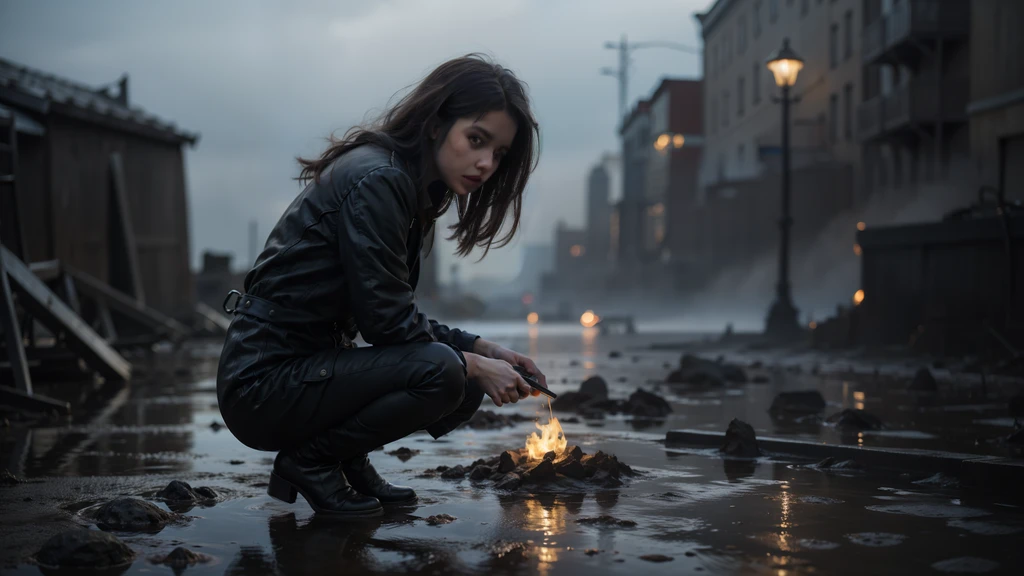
<point x="857" y="249"/>
<point x="532" y="318"/>
<point x="678" y="140"/>
<point x="577" y="250"/>
<point x="662" y="142"/>
<point x="861" y="226"/>
<point x="785" y="65"/>
<point x="589" y="319"/>
<point x="812" y="325"/>
<point x="858" y="297"/>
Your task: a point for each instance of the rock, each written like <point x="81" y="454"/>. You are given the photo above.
<point x="803" y="402"/>
<point x="855" y="420"/>
<point x="740" y="440"/>
<point x="615" y="354"/>
<point x="80" y="548"/>
<point x="508" y="461"/>
<point x="574" y="452"/>
<point x="216" y="426"/>
<point x="831" y="463"/>
<point x="733" y="373"/>
<point x="571" y="468"/>
<point x="236" y="462"/>
<point x="132" y="514"/>
<point x="694" y="370"/>
<point x="574" y="363"/>
<point x="606" y="520"/>
<point x="1016" y="406"/>
<point x="178" y="491"/>
<point x="924" y="381"/>
<point x="403" y="453"/>
<point x="549" y="455"/>
<point x="489" y="420"/>
<point x="481" y="473"/>
<point x="510" y="481"/>
<point x="657" y="558"/>
<point x="441" y="519"/>
<point x="8" y="479"/>
<point x="181" y="558"/>
<point x="540" y="473"/>
<point x="644" y="403"/>
<point x="606" y="479"/>
<point x="454" y="473"/>
<point x="595" y="387"/>
<point x="569" y="401"/>
<point x="591" y="551"/>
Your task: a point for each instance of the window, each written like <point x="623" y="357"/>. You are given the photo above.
<point x="833" y="46"/>
<point x="725" y="108"/>
<point x="741" y="31"/>
<point x="848" y="112"/>
<point x="805" y="6"/>
<point x="773" y="10"/>
<point x="756" y="17"/>
<point x="755" y="82"/>
<point x="847" y="35"/>
<point x="741" y="96"/>
<point x="833" y="118"/>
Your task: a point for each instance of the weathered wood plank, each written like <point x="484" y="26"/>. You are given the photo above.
<point x="124" y="261"/>
<point x="33" y="402"/>
<point x="12" y="331"/>
<point x="46" y="307"/>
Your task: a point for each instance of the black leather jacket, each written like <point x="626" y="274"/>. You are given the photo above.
<point x="344" y="257"/>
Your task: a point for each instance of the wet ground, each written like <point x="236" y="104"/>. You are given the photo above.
<point x="708" y="514"/>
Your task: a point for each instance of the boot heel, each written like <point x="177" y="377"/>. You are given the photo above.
<point x="281" y="489"/>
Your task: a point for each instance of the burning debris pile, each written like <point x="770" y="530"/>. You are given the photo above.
<point x="546" y="460"/>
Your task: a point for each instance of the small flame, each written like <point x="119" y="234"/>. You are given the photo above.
<point x="551" y="438"/>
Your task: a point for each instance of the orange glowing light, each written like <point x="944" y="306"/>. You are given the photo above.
<point x="857" y="249"/>
<point x="812" y="325"/>
<point x="551" y="439"/>
<point x="678" y="140"/>
<point x="858" y="297"/>
<point x="589" y="319"/>
<point x="662" y="142"/>
<point x="576" y="251"/>
<point x="532" y="318"/>
<point x="861" y="226"/>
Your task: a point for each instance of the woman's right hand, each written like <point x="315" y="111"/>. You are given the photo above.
<point x="497" y="379"/>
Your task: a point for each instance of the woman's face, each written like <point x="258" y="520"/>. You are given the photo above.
<point x="473" y="149"/>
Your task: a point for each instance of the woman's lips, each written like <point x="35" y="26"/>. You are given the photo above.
<point x="474" y="180"/>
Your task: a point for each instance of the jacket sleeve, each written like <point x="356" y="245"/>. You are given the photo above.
<point x="374" y="222"/>
<point x="459" y="338"/>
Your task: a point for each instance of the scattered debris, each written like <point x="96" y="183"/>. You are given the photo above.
<point x="178" y="491"/>
<point x="803" y="402"/>
<point x="440" y="519"/>
<point x="615" y="354"/>
<point x="831" y="463"/>
<point x="216" y="426"/>
<point x="939" y="479"/>
<point x="695" y="370"/>
<point x="591" y="551"/>
<point x="657" y="558"/>
<point x="403" y="453"/>
<point x="606" y="520"/>
<point x="740" y="440"/>
<point x="81" y="548"/>
<point x="591" y="401"/>
<point x="8" y="479"/>
<point x="181" y="558"/>
<point x="132" y="514"/>
<point x="850" y="420"/>
<point x="924" y="381"/>
<point x="966" y="564"/>
<point x="514" y="468"/>
<point x="489" y="420"/>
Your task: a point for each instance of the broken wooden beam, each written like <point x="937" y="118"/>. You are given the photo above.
<point x="48" y="309"/>
<point x="32" y="402"/>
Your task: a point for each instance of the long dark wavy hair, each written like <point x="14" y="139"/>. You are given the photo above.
<point x="470" y="86"/>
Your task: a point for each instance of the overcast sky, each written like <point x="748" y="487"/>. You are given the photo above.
<point x="263" y="82"/>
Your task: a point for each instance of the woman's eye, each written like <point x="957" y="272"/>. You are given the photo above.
<point x="475" y="140"/>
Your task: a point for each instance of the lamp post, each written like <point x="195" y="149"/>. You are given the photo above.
<point x="782" y="318"/>
<point x="621" y="73"/>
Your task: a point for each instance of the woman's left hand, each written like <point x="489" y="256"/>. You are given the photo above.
<point x="514" y="358"/>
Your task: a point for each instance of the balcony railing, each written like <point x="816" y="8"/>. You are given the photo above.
<point x="912" y="104"/>
<point x="910" y="19"/>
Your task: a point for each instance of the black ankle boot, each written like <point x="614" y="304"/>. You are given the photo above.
<point x="366" y="480"/>
<point x="322" y="484"/>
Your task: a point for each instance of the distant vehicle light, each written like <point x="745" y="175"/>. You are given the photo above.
<point x="532" y="318"/>
<point x="589" y="319"/>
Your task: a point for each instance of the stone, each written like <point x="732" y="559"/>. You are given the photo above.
<point x="178" y="491"/>
<point x="646" y="404"/>
<point x="509" y="461"/>
<point x="924" y="381"/>
<point x="441" y="519"/>
<point x="606" y="479"/>
<point x="657" y="558"/>
<point x="454" y="473"/>
<point x="132" y="514"/>
<point x="181" y="558"/>
<point x="510" y="481"/>
<point x="855" y="420"/>
<point x="740" y="440"/>
<point x="615" y="354"/>
<point x="489" y="420"/>
<point x="571" y="468"/>
<point x="831" y="463"/>
<point x="591" y="551"/>
<point x="81" y="548"/>
<point x="574" y="452"/>
<point x="694" y="370"/>
<point x="403" y="453"/>
<point x="549" y="455"/>
<point x="569" y="401"/>
<point x="595" y="387"/>
<point x="481" y="473"/>
<point x="216" y="426"/>
<point x="803" y="402"/>
<point x="606" y="520"/>
<point x="542" y="472"/>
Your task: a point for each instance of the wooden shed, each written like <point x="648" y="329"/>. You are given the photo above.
<point x="97" y="180"/>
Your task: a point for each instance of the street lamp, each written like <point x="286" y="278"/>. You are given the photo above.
<point x="782" y="318"/>
<point x="621" y="73"/>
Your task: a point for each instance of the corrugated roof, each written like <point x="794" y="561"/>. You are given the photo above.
<point x="39" y="92"/>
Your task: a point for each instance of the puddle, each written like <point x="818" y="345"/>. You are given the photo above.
<point x="966" y="565"/>
<point x="876" y="539"/>
<point x="930" y="510"/>
<point x="985" y="528"/>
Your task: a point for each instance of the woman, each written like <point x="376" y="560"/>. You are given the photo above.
<point x="345" y="258"/>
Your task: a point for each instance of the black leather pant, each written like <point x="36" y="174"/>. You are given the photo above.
<point x="372" y="396"/>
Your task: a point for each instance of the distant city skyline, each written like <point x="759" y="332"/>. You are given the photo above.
<point x="263" y="84"/>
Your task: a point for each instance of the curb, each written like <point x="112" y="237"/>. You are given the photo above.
<point x="1003" y="475"/>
